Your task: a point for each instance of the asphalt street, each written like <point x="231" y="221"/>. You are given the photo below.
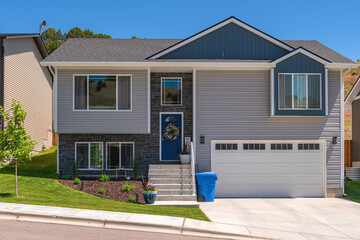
<point x="17" y="230"/>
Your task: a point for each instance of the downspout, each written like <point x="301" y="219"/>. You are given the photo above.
<point x="342" y="132"/>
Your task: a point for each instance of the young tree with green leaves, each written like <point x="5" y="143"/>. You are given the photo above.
<point x="15" y="145"/>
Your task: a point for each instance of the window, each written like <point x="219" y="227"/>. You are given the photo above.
<point x="89" y="155"/>
<point x="308" y="146"/>
<point x="102" y="92"/>
<point x="300" y="91"/>
<point x="226" y="146"/>
<point x="254" y="146"/>
<point x="119" y="155"/>
<point x="281" y="146"/>
<point x="171" y="91"/>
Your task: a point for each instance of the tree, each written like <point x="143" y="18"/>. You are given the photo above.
<point x="15" y="145"/>
<point x="54" y="38"/>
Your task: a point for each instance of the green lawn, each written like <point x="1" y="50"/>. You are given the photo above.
<point x="352" y="190"/>
<point x="38" y="185"/>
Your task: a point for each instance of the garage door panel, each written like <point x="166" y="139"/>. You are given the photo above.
<point x="269" y="173"/>
<point x="308" y="168"/>
<point x="282" y="168"/>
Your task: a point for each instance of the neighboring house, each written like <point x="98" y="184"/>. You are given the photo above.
<point x="264" y="114"/>
<point x="23" y="78"/>
<point x="352" y="102"/>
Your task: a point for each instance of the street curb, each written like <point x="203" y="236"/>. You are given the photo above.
<point x="26" y="216"/>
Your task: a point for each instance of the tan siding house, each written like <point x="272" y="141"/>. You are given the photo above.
<point x="31" y="84"/>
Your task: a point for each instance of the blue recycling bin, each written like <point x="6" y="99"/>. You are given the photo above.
<point x="206" y="186"/>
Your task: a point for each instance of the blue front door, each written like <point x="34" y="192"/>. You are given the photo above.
<point x="171" y="136"/>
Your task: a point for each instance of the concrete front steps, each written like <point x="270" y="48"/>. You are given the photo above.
<point x="173" y="181"/>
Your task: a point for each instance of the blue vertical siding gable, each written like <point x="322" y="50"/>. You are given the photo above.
<point x="228" y="42"/>
<point x="299" y="63"/>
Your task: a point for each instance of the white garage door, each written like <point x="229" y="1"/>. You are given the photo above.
<point x="269" y="168"/>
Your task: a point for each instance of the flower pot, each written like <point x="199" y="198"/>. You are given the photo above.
<point x="185" y="159"/>
<point x="149" y="196"/>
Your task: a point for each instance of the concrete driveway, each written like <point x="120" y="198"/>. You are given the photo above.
<point x="292" y="218"/>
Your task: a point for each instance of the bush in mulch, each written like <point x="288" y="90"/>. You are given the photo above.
<point x="113" y="189"/>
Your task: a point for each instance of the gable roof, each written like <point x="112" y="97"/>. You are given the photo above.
<point x="319" y="49"/>
<point x="221" y="24"/>
<point x="353" y="94"/>
<point x="304" y="52"/>
<point x="36" y="36"/>
<point x="135" y="51"/>
<point x="108" y="50"/>
<point x="138" y="50"/>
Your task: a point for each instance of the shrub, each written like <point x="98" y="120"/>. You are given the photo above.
<point x="353" y="73"/>
<point x="128" y="187"/>
<point x="75" y="170"/>
<point x="77" y="181"/>
<point x="101" y="190"/>
<point x="104" y="178"/>
<point x="135" y="168"/>
<point x="132" y="199"/>
<point x="43" y="148"/>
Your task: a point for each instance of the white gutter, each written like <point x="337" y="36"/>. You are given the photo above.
<point x="183" y="64"/>
<point x="158" y="64"/>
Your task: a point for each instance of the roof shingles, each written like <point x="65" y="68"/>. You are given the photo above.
<point x="137" y="50"/>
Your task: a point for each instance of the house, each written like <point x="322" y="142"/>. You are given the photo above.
<point x="264" y="114"/>
<point x="352" y="103"/>
<point x="23" y="78"/>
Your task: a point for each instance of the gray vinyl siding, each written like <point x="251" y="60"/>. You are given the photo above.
<point x="355" y="133"/>
<point x="1" y="74"/>
<point x="228" y="42"/>
<point x="299" y="63"/>
<point x="236" y="106"/>
<point x="69" y="121"/>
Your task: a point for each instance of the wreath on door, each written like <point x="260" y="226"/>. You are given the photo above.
<point x="171" y="132"/>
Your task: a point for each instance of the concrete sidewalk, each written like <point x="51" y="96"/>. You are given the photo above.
<point x="142" y="222"/>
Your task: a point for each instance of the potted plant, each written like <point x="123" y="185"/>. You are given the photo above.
<point x="149" y="193"/>
<point x="185" y="157"/>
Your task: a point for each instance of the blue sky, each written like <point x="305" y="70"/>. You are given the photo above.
<point x="331" y="22"/>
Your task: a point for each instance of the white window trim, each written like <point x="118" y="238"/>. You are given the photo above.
<point x="102" y="155"/>
<point x="292" y="89"/>
<point x="181" y="91"/>
<point x="119" y="143"/>
<point x="103" y="110"/>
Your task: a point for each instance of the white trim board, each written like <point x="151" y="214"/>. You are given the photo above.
<point x="352" y="95"/>
<point x="160" y="132"/>
<point x="220" y="25"/>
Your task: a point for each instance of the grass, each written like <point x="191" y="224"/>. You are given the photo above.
<point x="352" y="190"/>
<point x="38" y="185"/>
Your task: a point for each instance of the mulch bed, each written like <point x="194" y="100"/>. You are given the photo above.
<point x="113" y="189"/>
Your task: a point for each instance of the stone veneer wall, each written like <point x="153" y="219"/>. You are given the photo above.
<point x="147" y="146"/>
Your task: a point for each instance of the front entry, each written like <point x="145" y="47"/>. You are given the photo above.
<point x="171" y="136"/>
